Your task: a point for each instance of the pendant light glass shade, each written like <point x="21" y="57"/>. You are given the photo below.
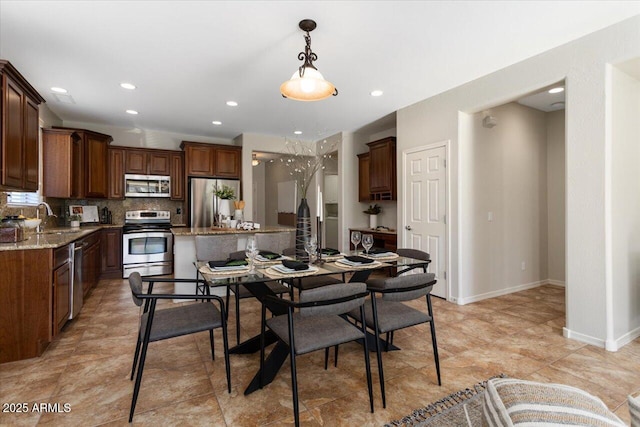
<point x="310" y="87"/>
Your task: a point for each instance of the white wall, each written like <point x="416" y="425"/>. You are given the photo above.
<point x="508" y="181"/>
<point x="556" y="211"/>
<point x="582" y="65"/>
<point x="625" y="208"/>
<point x="259" y="192"/>
<point x="145" y="138"/>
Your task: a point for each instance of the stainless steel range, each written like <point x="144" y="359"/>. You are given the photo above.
<point x="147" y="243"/>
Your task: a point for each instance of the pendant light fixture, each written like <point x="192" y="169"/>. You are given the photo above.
<point x="254" y="160"/>
<point x="307" y="84"/>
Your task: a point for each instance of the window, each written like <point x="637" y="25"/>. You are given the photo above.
<point x="21" y="198"/>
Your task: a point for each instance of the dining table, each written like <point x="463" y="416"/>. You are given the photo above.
<point x="255" y="280"/>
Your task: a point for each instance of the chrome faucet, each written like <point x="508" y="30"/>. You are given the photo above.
<point x="49" y="213"/>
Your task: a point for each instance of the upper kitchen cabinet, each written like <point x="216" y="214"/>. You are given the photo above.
<point x="19" y="107"/>
<point x="177" y="176"/>
<point x="63" y="168"/>
<point x="212" y="160"/>
<point x="382" y="180"/>
<point x="363" y="178"/>
<point x="82" y="156"/>
<point x="147" y="162"/>
<point x="116" y="172"/>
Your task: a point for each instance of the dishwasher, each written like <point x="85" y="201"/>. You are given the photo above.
<point x="76" y="294"/>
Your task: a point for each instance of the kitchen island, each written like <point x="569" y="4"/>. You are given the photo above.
<point x="184" y="247"/>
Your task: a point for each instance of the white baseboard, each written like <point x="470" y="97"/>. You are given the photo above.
<point x="500" y="292"/>
<point x="588" y="339"/>
<point x="556" y="282"/>
<point x="617" y="344"/>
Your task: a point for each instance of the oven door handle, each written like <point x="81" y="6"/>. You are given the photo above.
<point x="147" y="230"/>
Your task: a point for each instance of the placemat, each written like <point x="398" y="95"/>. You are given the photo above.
<point x="205" y="269"/>
<point x="374" y="264"/>
<point x="382" y="258"/>
<point x="275" y="274"/>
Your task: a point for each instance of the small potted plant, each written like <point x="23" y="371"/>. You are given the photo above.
<point x="74" y="220"/>
<point x="373" y="211"/>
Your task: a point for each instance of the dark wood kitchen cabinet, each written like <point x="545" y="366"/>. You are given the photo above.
<point x="26" y="304"/>
<point x="212" y="160"/>
<point x="177" y="176"/>
<point x="83" y="158"/>
<point x="379" y="176"/>
<point x="91" y="261"/>
<point x="147" y="162"/>
<point x="116" y="173"/>
<point x="363" y="178"/>
<point x="61" y="280"/>
<point x="111" y="253"/>
<point x="19" y="108"/>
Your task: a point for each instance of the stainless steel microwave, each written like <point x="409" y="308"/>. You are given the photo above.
<point x="147" y="186"/>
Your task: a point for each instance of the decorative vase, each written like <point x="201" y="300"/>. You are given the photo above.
<point x="373" y="221"/>
<point x="303" y="228"/>
<point x="75" y="223"/>
<point x="225" y="207"/>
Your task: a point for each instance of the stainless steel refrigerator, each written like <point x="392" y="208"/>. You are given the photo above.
<point x="203" y="202"/>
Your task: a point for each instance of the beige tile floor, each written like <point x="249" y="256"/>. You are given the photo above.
<point x="87" y="367"/>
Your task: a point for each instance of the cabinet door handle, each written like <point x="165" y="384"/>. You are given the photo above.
<point x="407" y="227"/>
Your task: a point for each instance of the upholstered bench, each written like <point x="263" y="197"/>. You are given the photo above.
<point x="511" y="402"/>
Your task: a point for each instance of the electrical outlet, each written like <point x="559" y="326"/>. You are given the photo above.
<point x="523" y="266"/>
<point x="179" y="210"/>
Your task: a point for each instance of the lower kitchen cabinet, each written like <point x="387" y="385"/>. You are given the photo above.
<point x="111" y="242"/>
<point x="26" y="304"/>
<point x="62" y="276"/>
<point x="91" y="261"/>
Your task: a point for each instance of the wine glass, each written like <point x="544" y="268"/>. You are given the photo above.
<point x="355" y="239"/>
<point x="311" y="246"/>
<point x="367" y="242"/>
<point x="251" y="251"/>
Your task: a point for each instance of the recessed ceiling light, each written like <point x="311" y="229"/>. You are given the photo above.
<point x="217" y="122"/>
<point x="232" y="103"/>
<point x="134" y="112"/>
<point x="59" y="90"/>
<point x="298" y="132"/>
<point x="127" y="86"/>
<point x="376" y="93"/>
<point x="556" y="90"/>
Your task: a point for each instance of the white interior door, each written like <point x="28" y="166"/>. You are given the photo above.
<point x="425" y="187"/>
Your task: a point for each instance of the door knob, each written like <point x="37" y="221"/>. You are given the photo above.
<point x="407" y="227"/>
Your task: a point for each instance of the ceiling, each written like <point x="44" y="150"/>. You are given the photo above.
<point x="188" y="58"/>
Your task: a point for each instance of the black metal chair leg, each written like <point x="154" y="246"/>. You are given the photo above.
<point x="378" y="352"/>
<point x="213" y="353"/>
<point x="225" y="344"/>
<point x="135" y="357"/>
<point x="237" y="315"/>
<point x="434" y="342"/>
<point x="326" y="358"/>
<point x="336" y="355"/>
<point x="228" y="299"/>
<point x="263" y="322"/>
<point x="366" y="359"/>
<point x="294" y="376"/>
<point x="136" y="387"/>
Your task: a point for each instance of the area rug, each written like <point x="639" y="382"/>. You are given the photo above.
<point x="458" y="409"/>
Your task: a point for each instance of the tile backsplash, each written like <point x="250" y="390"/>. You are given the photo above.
<point x="117" y="207"/>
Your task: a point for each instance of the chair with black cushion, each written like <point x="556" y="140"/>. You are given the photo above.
<point x="385" y="311"/>
<point x="317" y="325"/>
<point x="182" y="319"/>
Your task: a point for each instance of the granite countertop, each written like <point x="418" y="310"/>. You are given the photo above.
<point x="187" y="231"/>
<point x="54" y="237"/>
